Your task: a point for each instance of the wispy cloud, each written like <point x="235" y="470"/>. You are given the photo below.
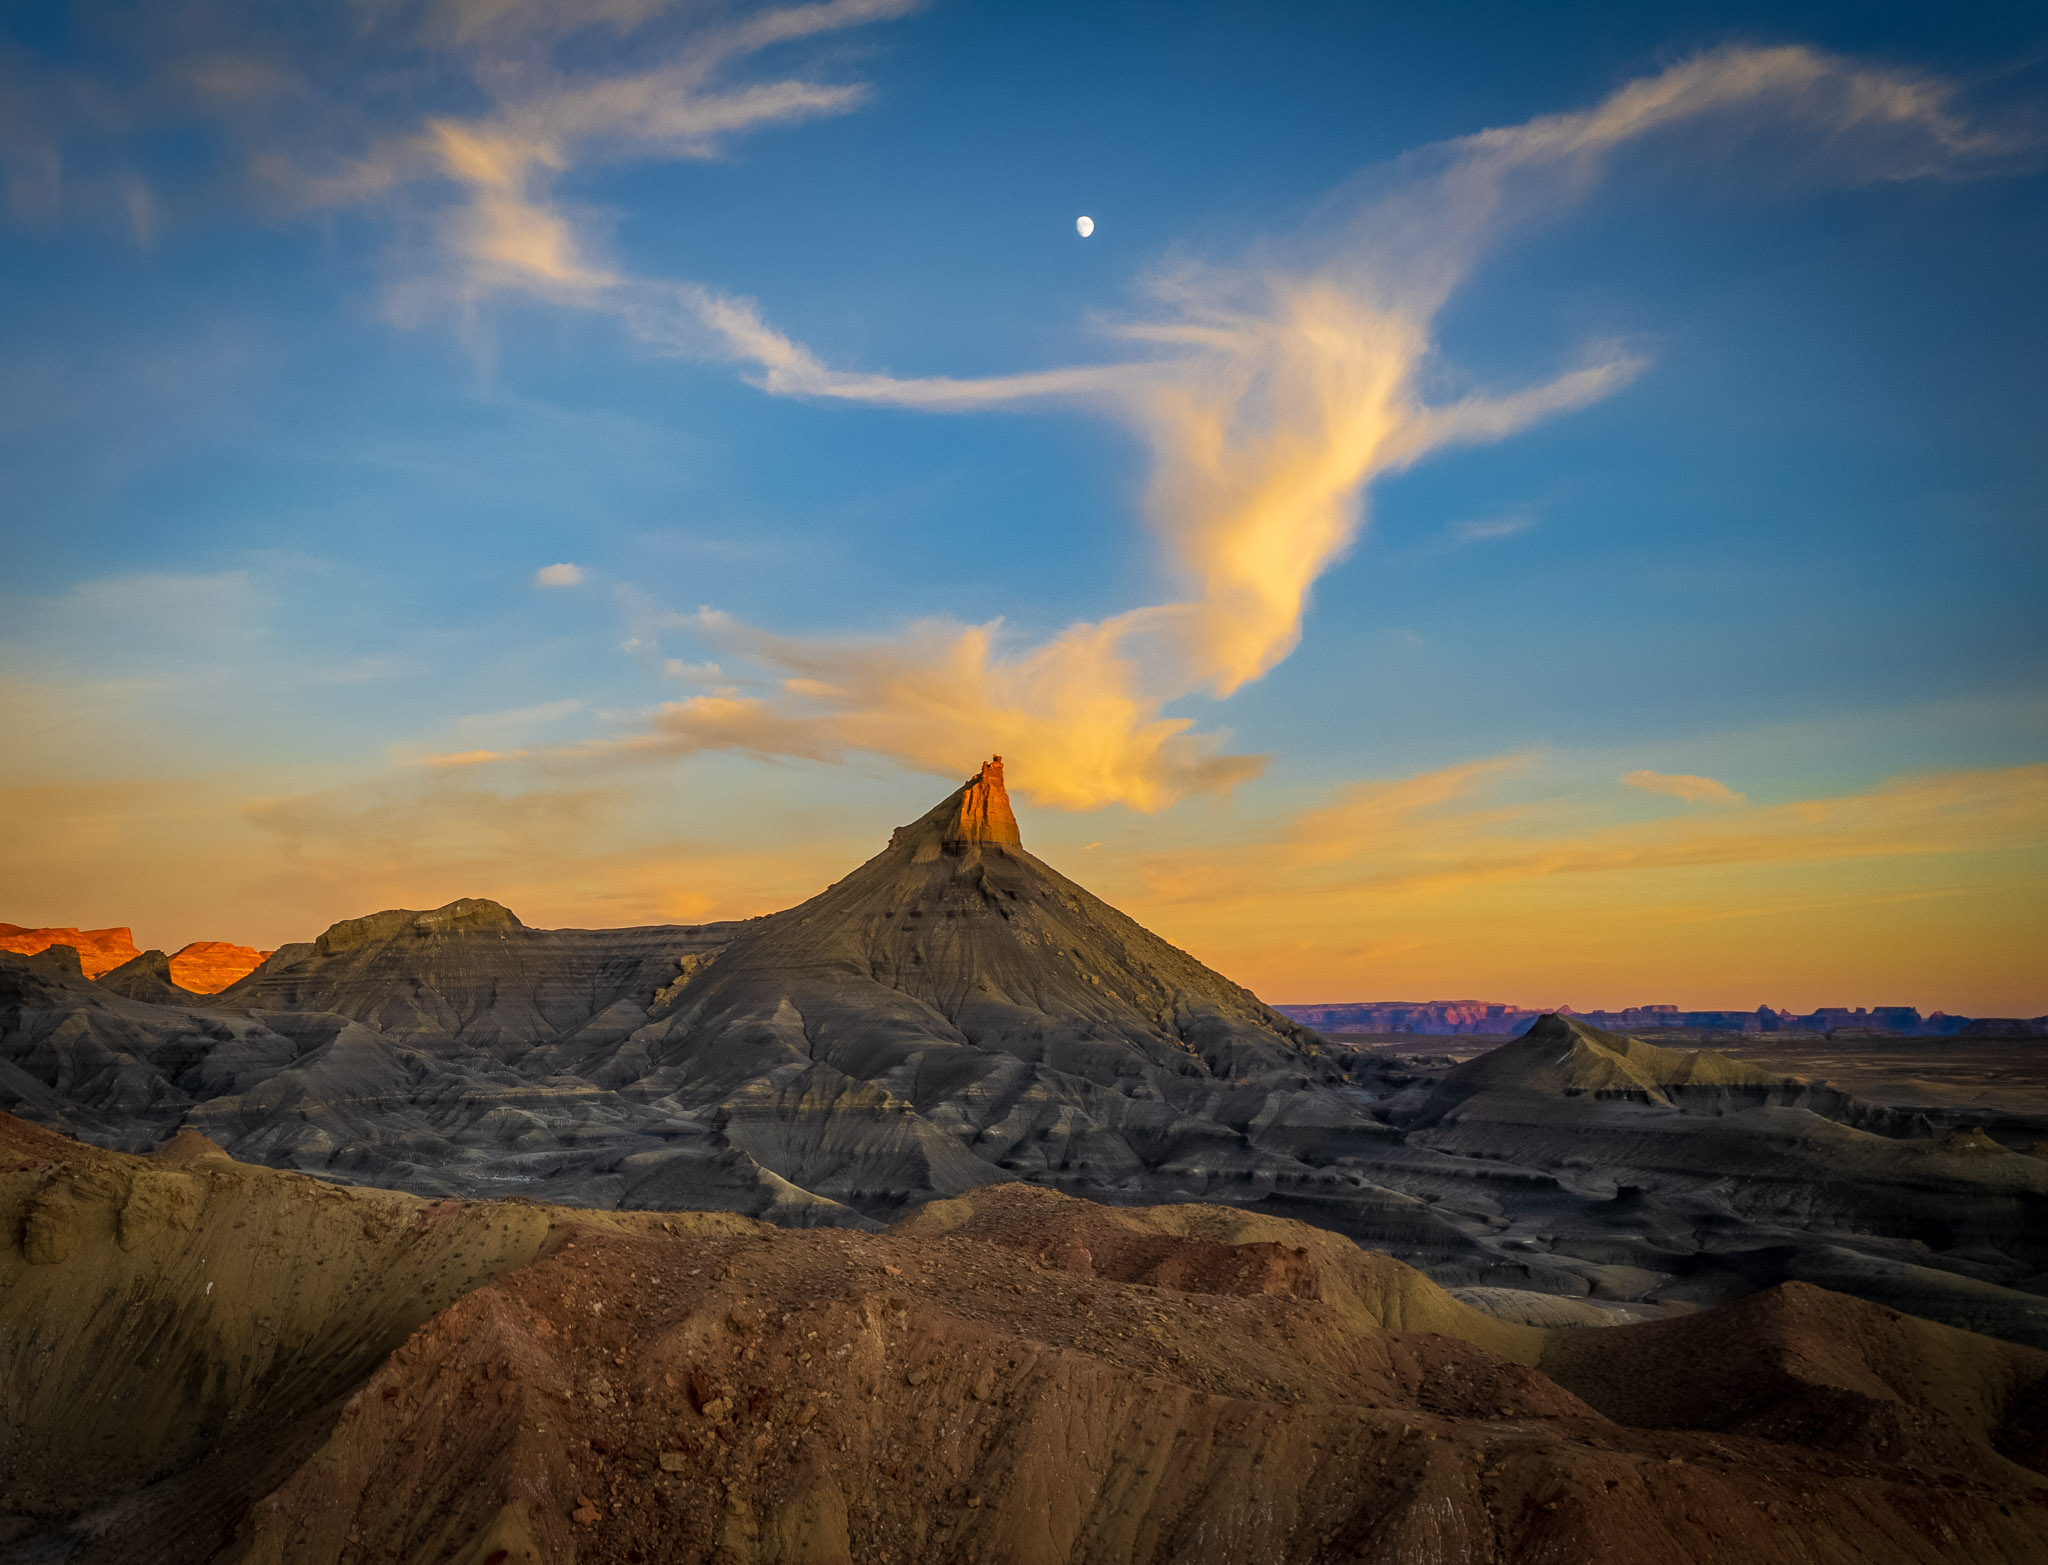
<point x="1434" y="832"/>
<point x="1271" y="392"/>
<point x="518" y="720"/>
<point x="1486" y="529"/>
<point x="678" y="91"/>
<point x="554" y="853"/>
<point x="1271" y="395"/>
<point x="475" y="757"/>
<point x="1694" y="790"/>
<point x="693" y="673"/>
<point x="1071" y="711"/>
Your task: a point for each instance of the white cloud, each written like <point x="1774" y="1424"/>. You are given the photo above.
<point x="673" y="91"/>
<point x="693" y="673"/>
<point x="1271" y="394"/>
<point x="1485" y="529"/>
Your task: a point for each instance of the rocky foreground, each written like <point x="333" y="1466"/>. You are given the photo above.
<point x="202" y="1360"/>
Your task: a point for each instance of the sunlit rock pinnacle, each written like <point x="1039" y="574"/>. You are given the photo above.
<point x="984" y="811"/>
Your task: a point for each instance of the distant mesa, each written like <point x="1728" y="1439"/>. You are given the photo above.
<point x="1451" y="1018"/>
<point x="202" y="967"/>
<point x="209" y="966"/>
<point x="99" y="950"/>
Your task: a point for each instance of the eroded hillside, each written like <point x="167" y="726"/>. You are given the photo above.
<point x="207" y="1361"/>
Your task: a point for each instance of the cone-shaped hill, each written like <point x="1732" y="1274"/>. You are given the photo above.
<point x="955" y="1011"/>
<point x="1562" y="1058"/>
<point x="954" y="934"/>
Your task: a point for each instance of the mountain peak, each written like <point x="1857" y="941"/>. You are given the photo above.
<point x="984" y="814"/>
<point x="976" y="812"/>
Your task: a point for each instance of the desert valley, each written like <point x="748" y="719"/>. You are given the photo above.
<point x="726" y="727"/>
<point x="952" y="1215"/>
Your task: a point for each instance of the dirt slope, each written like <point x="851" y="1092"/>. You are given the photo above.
<point x="202" y="1360"/>
<point x="177" y="1330"/>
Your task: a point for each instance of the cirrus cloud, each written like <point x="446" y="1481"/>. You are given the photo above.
<point x="1694" y="790"/>
<point x="1271" y="395"/>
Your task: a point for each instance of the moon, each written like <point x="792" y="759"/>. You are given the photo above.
<point x="1084" y="226"/>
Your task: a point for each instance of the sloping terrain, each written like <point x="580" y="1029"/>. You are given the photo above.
<point x="1667" y="1145"/>
<point x="176" y="1332"/>
<point x="201" y="1360"/>
<point x="955" y="1013"/>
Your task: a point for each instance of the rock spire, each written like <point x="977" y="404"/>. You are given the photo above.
<point x="984" y="813"/>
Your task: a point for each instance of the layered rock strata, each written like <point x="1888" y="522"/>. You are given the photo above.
<point x="955" y="1013"/>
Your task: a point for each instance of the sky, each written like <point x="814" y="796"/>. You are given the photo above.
<point x="1541" y="504"/>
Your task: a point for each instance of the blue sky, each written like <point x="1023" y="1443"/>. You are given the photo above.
<point x="330" y="327"/>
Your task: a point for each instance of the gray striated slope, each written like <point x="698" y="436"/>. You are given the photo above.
<point x="955" y="1013"/>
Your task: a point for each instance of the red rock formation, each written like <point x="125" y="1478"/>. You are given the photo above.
<point x="203" y="967"/>
<point x="99" y="950"/>
<point x="209" y="966"/>
<point x="984" y="814"/>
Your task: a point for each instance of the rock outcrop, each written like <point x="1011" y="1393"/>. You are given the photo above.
<point x="202" y="967"/>
<point x="99" y="950"/>
<point x="148" y="978"/>
<point x="209" y="966"/>
<point x="983" y="813"/>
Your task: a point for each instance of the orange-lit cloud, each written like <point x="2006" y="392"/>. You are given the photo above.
<point x="475" y="757"/>
<point x="1074" y="714"/>
<point x="212" y="857"/>
<point x="1484" y="880"/>
<point x="1694" y="790"/>
<point x="1271" y="396"/>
